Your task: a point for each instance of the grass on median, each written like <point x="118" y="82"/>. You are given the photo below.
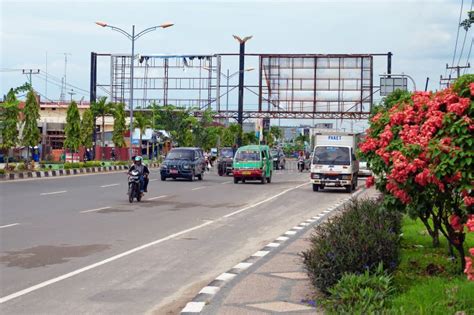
<point x="427" y="282"/>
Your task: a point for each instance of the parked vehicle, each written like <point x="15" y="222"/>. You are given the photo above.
<point x="278" y="158"/>
<point x="364" y="170"/>
<point x="334" y="163"/>
<point x="186" y="163"/>
<point x="225" y="161"/>
<point x="134" y="186"/>
<point x="253" y="162"/>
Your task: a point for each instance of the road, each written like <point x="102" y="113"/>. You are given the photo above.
<point x="75" y="245"/>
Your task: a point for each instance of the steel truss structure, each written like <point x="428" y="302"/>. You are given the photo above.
<point x="296" y="86"/>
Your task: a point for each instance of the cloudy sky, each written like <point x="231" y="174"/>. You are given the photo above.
<point x="421" y="34"/>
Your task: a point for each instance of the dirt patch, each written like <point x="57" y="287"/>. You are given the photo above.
<point x="45" y="255"/>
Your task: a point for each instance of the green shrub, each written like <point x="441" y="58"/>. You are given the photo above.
<point x="2" y="171"/>
<point x="365" y="293"/>
<point x="92" y="164"/>
<point x="21" y="167"/>
<point x="356" y="240"/>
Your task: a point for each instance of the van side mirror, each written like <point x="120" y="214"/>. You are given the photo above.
<point x="354" y="158"/>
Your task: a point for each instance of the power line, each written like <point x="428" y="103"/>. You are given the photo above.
<point x="468" y="55"/>
<point x="464" y="40"/>
<point x="457" y="36"/>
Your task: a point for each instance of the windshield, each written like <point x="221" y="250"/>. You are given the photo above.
<point x="274" y="153"/>
<point x="180" y="155"/>
<point x="247" y="156"/>
<point x="331" y="156"/>
<point x="227" y="153"/>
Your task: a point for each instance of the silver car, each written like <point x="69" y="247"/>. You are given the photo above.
<point x="364" y="170"/>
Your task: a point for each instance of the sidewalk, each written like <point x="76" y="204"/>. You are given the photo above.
<point x="274" y="284"/>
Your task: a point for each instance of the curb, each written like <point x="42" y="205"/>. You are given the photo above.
<point x="68" y="172"/>
<point x="207" y="293"/>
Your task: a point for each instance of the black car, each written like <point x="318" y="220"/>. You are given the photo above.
<point x="278" y="158"/>
<point x="183" y="163"/>
<point x="225" y="161"/>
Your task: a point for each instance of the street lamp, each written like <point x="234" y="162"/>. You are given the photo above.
<point x="133" y="37"/>
<point x="228" y="77"/>
<point x="240" y="117"/>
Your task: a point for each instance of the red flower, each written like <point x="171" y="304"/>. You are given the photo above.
<point x="470" y="225"/>
<point x="471" y="87"/>
<point x="468" y="201"/>
<point x="460" y="107"/>
<point x="376" y="117"/>
<point x="370" y="182"/>
<point x="455" y="222"/>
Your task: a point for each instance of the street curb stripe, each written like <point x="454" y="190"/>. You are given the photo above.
<point x="207" y="293"/>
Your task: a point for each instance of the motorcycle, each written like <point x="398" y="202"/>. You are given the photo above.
<point x="301" y="165"/>
<point x="134" y="186"/>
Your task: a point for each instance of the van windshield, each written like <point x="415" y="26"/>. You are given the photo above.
<point x="331" y="156"/>
<point x="247" y="156"/>
<point x="227" y="153"/>
<point x="180" y="155"/>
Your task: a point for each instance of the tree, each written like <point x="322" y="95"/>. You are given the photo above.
<point x="229" y="135"/>
<point x="87" y="128"/>
<point x="31" y="134"/>
<point x="421" y="148"/>
<point x="276" y="132"/>
<point x="142" y="122"/>
<point x="102" y="108"/>
<point x="9" y="120"/>
<point x="73" y="128"/>
<point x="178" y="122"/>
<point x="249" y="138"/>
<point x="119" y="125"/>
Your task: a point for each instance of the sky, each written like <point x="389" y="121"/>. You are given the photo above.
<point x="420" y="34"/>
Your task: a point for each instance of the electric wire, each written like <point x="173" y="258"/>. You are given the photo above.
<point x="457" y="37"/>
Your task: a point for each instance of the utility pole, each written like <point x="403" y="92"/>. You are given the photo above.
<point x="240" y="118"/>
<point x="444" y="81"/>
<point x="29" y="73"/>
<point x="458" y="69"/>
<point x="62" y="97"/>
<point x="71" y="93"/>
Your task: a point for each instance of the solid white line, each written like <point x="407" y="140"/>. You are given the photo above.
<point x="97" y="264"/>
<point x="53" y="193"/>
<point x="263" y="201"/>
<point x="197" y="188"/>
<point x="109" y="185"/>
<point x="193" y="307"/>
<point x="8" y="225"/>
<point x="159" y="197"/>
<point x="92" y="210"/>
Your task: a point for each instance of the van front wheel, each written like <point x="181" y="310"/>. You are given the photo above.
<point x="315" y="187"/>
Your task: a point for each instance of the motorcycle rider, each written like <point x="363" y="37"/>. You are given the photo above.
<point x="142" y="170"/>
<point x="301" y="161"/>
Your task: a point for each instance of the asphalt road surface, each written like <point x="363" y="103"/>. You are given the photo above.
<point x="76" y="245"/>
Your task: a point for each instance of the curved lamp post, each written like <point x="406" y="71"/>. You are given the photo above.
<point x="133" y="37"/>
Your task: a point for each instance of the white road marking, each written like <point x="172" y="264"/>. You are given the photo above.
<point x="263" y="201"/>
<point x="109" y="185"/>
<point x="282" y="238"/>
<point x="225" y="276"/>
<point x="298" y="228"/>
<point x="97" y="264"/>
<point x="197" y="188"/>
<point x="210" y="290"/>
<point x="290" y="232"/>
<point x="260" y="253"/>
<point x="8" y="225"/>
<point x="273" y="244"/>
<point x="159" y="197"/>
<point x="242" y="266"/>
<point x="226" y="182"/>
<point x="193" y="307"/>
<point x="92" y="210"/>
<point x="53" y="193"/>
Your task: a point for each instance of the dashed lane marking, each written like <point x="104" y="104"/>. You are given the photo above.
<point x="8" y="225"/>
<point x="159" y="197"/>
<point x="53" y="193"/>
<point x="110" y="185"/>
<point x="93" y="210"/>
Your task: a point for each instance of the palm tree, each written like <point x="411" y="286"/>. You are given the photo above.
<point x="102" y="108"/>
<point x="142" y="122"/>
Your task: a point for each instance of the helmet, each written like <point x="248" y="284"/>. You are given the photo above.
<point x="138" y="159"/>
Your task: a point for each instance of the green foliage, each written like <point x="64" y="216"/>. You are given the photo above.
<point x="101" y="108"/>
<point x="229" y="135"/>
<point x="276" y="132"/>
<point x="2" y="171"/>
<point x="9" y="119"/>
<point x="21" y="167"/>
<point x="360" y="238"/>
<point x="92" y="164"/>
<point x="73" y="128"/>
<point x="249" y="138"/>
<point x="31" y="134"/>
<point x="178" y="122"/>
<point x="141" y="121"/>
<point x="364" y="293"/>
<point x="119" y="125"/>
<point x="461" y="85"/>
<point x="87" y="128"/>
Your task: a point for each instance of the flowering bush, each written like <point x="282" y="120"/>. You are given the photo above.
<point x="421" y="147"/>
<point x="469" y="269"/>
